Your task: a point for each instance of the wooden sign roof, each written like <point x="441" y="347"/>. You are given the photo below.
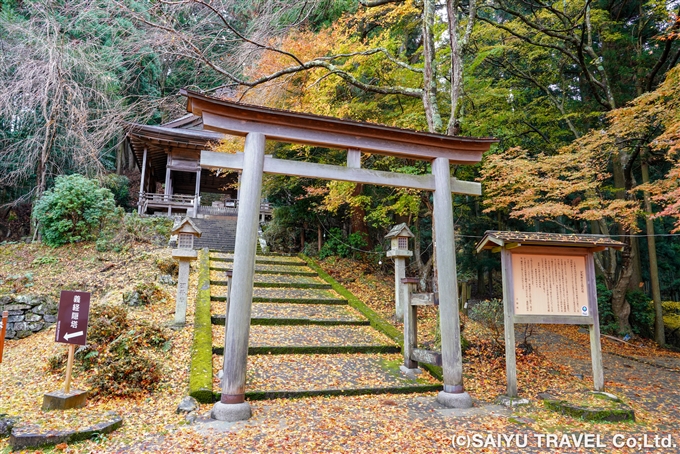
<point x="494" y="239"/>
<point x="295" y="127"/>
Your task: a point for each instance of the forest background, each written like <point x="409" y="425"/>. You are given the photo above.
<point x="584" y="97"/>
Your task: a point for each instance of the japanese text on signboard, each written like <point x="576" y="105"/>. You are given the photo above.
<point x="74" y="308"/>
<point x="549" y="284"/>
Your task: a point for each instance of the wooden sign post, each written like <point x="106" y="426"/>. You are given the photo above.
<point x="3" y="331"/>
<point x="548" y="278"/>
<point x="72" y="320"/>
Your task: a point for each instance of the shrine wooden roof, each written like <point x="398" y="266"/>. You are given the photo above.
<point x="185" y="136"/>
<point x="494" y="239"/>
<point x="295" y="127"/>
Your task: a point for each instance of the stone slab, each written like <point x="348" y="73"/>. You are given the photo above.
<point x="262" y="259"/>
<point x="33" y="436"/>
<point x="58" y="400"/>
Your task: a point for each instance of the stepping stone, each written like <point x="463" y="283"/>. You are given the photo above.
<point x="293" y="295"/>
<point x="273" y="376"/>
<point x="296" y="314"/>
<point x="311" y="339"/>
<point x="268" y="269"/>
<point x="263" y="259"/>
<point x="31" y="435"/>
<point x="275" y="280"/>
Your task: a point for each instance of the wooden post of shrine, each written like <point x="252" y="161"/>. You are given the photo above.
<point x="140" y="202"/>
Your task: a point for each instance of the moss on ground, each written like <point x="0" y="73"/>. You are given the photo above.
<point x="592" y="406"/>
<point x="200" y="375"/>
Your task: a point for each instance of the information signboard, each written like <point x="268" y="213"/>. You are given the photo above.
<point x="549" y="284"/>
<point x="72" y="319"/>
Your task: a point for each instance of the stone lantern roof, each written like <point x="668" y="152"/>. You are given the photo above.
<point x="186" y="225"/>
<point x="400" y="230"/>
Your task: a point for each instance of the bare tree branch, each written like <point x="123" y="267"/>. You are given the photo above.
<point x="235" y="31"/>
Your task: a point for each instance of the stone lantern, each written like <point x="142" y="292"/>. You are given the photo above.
<point x="186" y="231"/>
<point x="399" y="236"/>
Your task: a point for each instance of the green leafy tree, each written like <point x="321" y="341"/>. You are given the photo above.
<point x="74" y="210"/>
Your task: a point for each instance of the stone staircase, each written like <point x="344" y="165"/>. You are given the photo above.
<point x="218" y="234"/>
<point x="305" y="339"/>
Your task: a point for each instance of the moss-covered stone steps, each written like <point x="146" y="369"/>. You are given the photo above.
<point x="295" y="375"/>
<point x="315" y="311"/>
<point x="313" y="349"/>
<point x="262" y="259"/>
<point x="218" y="278"/>
<point x="291" y="301"/>
<point x="320" y="285"/>
<point x="266" y="395"/>
<point x="270" y="269"/>
<point x="305" y="340"/>
<point x="310" y="339"/>
<point x="293" y="295"/>
<point x="219" y="320"/>
<point x="295" y="314"/>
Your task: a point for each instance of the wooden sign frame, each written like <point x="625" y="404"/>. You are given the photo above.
<point x="510" y="318"/>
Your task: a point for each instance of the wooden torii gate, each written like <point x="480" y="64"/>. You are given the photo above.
<point x="259" y="124"/>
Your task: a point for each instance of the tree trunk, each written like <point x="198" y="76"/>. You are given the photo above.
<point x="659" y="329"/>
<point x="358" y="217"/>
<point x="636" y="275"/>
<point x="457" y="52"/>
<point x="434" y="121"/>
<point x="423" y="268"/>
<point x="480" y="281"/>
<point x="620" y="306"/>
<point x="302" y="237"/>
<point x="120" y="158"/>
<point x="456" y="71"/>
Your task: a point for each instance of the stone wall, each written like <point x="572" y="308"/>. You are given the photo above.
<point x="28" y="314"/>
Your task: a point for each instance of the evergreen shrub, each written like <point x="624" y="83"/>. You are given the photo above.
<point x="74" y="210"/>
<point x="119" y="185"/>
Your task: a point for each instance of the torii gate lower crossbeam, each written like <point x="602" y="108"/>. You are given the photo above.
<point x="259" y="124"/>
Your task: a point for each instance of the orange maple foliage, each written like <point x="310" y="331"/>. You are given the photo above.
<point x="574" y="182"/>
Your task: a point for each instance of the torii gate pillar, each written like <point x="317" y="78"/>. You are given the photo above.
<point x="454" y="394"/>
<point x="232" y="405"/>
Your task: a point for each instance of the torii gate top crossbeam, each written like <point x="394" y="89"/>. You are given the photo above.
<point x="293" y="127"/>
